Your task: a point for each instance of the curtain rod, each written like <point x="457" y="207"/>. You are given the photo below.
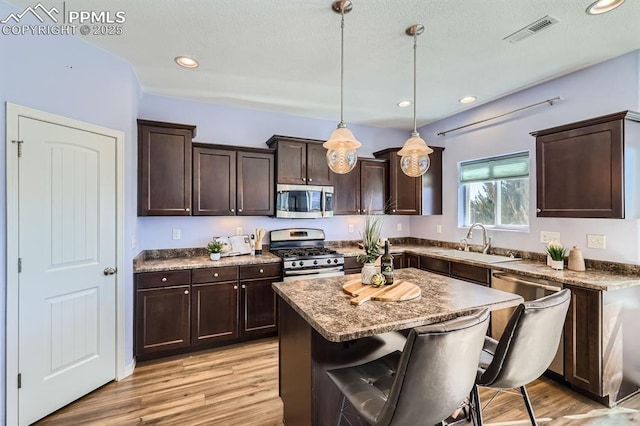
<point x="548" y="101"/>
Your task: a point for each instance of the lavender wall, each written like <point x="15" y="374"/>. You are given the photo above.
<point x="251" y="128"/>
<point x="66" y="76"/>
<point x="601" y="89"/>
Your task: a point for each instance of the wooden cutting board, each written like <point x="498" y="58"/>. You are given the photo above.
<point x="400" y="290"/>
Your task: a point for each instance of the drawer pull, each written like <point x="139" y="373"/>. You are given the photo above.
<point x="235" y="287"/>
<point x="186" y="292"/>
<point x="244" y="286"/>
<point x="262" y="271"/>
<point x="164" y="279"/>
<point x="187" y="209"/>
<point x="215" y="275"/>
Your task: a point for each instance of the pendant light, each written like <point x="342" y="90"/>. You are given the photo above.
<point x="341" y="145"/>
<point x="415" y="152"/>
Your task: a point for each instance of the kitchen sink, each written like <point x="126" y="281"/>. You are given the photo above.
<point x="479" y="257"/>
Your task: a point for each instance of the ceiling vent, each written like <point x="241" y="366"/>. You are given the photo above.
<point x="531" y="29"/>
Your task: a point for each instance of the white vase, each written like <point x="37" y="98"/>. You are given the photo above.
<point x="368" y="271"/>
<point x="557" y="264"/>
<point x="215" y="256"/>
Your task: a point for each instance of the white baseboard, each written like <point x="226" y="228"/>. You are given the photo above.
<point x="128" y="369"/>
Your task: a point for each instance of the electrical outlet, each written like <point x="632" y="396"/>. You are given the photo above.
<point x="596" y="241"/>
<point x="351" y="228"/>
<point x="176" y="234"/>
<point x="547" y="237"/>
<point x="399" y="227"/>
<point x="438" y="228"/>
<point x="239" y="230"/>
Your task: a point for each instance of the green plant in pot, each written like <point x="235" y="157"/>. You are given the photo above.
<point x="557" y="253"/>
<point x="371" y="246"/>
<point x="214" y="248"/>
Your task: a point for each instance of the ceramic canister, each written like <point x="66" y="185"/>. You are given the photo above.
<point x="576" y="261"/>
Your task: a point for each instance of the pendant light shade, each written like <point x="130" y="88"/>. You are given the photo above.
<point x="341" y="145"/>
<point x="415" y="152"/>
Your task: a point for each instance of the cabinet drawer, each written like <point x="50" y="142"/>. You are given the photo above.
<point x="351" y="263"/>
<point x="434" y="265"/>
<point x="212" y="275"/>
<point x="272" y="270"/>
<point x="162" y="279"/>
<point x="476" y="274"/>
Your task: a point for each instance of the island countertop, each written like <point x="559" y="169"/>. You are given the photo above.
<point x="324" y="305"/>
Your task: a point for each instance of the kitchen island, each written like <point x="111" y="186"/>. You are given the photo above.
<point x="320" y="329"/>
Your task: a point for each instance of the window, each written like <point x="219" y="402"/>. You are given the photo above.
<point x="495" y="191"/>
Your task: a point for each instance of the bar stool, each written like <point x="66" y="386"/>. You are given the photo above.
<point x="423" y="384"/>
<point x="525" y="350"/>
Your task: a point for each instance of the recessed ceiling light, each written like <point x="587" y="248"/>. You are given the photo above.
<point x="185" y="61"/>
<point x="603" y="6"/>
<point x="405" y="104"/>
<point x="467" y="99"/>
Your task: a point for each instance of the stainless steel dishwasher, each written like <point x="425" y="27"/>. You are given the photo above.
<point x="530" y="289"/>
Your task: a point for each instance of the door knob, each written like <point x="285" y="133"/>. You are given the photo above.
<point x="110" y="270"/>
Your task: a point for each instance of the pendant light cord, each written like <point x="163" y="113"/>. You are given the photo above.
<point x="342" y="66"/>
<point x="415" y="43"/>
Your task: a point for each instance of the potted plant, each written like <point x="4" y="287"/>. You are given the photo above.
<point x="556" y="252"/>
<point x="214" y="248"/>
<point x="371" y="246"/>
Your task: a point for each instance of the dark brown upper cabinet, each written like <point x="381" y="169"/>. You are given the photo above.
<point x="228" y="182"/>
<point x="164" y="168"/>
<point x="362" y="188"/>
<point x="414" y="195"/>
<point x="580" y="166"/>
<point x="300" y="161"/>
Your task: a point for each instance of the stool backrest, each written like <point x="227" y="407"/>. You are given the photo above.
<point x="529" y="342"/>
<point x="437" y="371"/>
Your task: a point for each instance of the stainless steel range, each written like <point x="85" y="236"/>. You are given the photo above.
<point x="304" y="254"/>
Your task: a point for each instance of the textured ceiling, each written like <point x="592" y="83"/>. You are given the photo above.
<point x="284" y="56"/>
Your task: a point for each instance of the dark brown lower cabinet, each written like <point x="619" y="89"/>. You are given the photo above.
<point x="259" y="307"/>
<point x="179" y="311"/>
<point x="398" y="260"/>
<point x="412" y="260"/>
<point x="214" y="312"/>
<point x="162" y="319"/>
<point x="351" y="265"/>
<point x="432" y="264"/>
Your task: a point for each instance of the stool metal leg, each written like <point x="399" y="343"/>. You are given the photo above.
<point x="340" y="411"/>
<point x="527" y="403"/>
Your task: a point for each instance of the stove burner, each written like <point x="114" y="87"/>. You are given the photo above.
<point x="303" y="252"/>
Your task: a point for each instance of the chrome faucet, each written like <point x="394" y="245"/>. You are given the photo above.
<point x="486" y="240"/>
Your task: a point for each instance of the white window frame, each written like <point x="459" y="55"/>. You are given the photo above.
<point x="464" y="199"/>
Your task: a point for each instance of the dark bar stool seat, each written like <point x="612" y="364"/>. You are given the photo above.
<point x="423" y="384"/>
<point x="524" y="351"/>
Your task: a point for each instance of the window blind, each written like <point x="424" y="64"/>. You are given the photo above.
<point x="503" y="167"/>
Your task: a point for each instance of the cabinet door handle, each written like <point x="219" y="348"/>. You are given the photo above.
<point x="304" y="179"/>
<point x="244" y="286"/>
<point x="164" y="279"/>
<point x="240" y="210"/>
<point x="187" y="209"/>
<point x="186" y="292"/>
<point x="262" y="271"/>
<point x="310" y="180"/>
<point x="394" y="210"/>
<point x="215" y="275"/>
<point x="538" y="210"/>
<point x="233" y="210"/>
<point x="235" y="287"/>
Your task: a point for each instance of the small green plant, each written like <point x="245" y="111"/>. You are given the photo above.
<point x="371" y="239"/>
<point x="214" y="247"/>
<point x="556" y="251"/>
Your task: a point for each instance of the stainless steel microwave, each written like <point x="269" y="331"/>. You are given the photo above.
<point x="304" y="201"/>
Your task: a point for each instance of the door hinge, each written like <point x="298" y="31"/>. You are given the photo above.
<point x="19" y="264"/>
<point x="19" y="147"/>
<point x="19" y="380"/>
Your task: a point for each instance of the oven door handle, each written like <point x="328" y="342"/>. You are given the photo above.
<point x="314" y="271"/>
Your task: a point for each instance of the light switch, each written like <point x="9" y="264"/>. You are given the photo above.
<point x="351" y="228"/>
<point x="596" y="241"/>
<point x="176" y="234"/>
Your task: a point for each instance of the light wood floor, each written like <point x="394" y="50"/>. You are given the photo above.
<point x="238" y="385"/>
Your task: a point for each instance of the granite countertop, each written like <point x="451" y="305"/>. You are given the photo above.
<point x="593" y="279"/>
<point x="324" y="305"/>
<point x="198" y="261"/>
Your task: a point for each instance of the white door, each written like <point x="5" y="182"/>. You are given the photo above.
<point x="67" y="238"/>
